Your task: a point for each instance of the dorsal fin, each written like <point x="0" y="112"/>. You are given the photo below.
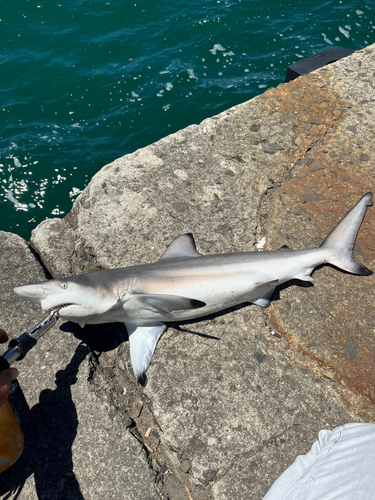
<point x="285" y="248"/>
<point x="182" y="247"/>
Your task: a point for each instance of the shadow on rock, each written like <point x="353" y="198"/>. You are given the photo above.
<point x="50" y="428"/>
<point x="99" y="338"/>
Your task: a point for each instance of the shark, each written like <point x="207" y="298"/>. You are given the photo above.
<point x="184" y="285"/>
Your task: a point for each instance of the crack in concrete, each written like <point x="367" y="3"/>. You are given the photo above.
<point x="102" y="381"/>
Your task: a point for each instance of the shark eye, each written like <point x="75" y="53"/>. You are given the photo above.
<point x="63" y="284"/>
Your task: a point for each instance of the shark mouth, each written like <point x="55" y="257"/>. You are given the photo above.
<point x="56" y="309"/>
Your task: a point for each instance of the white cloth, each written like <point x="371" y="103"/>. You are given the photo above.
<point x="339" y="466"/>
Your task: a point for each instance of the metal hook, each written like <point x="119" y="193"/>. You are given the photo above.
<point x="19" y="347"/>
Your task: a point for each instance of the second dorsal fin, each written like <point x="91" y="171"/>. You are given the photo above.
<point x="182" y="247"/>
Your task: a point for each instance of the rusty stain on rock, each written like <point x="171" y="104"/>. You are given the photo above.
<point x="323" y="184"/>
<point x="308" y="110"/>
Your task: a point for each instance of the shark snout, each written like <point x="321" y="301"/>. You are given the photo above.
<point x="34" y="293"/>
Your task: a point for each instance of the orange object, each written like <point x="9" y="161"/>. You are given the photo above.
<point x="11" y="438"/>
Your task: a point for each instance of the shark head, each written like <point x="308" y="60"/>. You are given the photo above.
<point x="76" y="299"/>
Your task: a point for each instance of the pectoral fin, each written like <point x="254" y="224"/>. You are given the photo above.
<point x="142" y="340"/>
<point x="138" y="304"/>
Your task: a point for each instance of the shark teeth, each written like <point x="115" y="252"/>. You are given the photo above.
<point x="55" y="309"/>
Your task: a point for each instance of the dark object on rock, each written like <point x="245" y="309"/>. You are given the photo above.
<point x="314" y="62"/>
<point x="185" y="466"/>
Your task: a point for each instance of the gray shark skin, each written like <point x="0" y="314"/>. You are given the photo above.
<point x="184" y="285"/>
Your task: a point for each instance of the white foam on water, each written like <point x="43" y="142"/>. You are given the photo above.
<point x="191" y="74"/>
<point x="344" y="32"/>
<point x="16" y="162"/>
<point x="327" y="40"/>
<point x="216" y="47"/>
<point x="74" y="192"/>
<point x="19" y="206"/>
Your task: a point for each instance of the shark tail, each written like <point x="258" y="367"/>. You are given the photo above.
<point x="340" y="242"/>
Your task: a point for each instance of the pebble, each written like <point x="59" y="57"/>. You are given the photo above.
<point x="185" y="466"/>
<point x="352" y="129"/>
<point x="328" y="374"/>
<point x="351" y="349"/>
<point x="275" y="147"/>
<point x="260" y="357"/>
<point x="272" y="148"/>
<point x="179" y="206"/>
<point x="210" y="474"/>
<point x="310" y="197"/>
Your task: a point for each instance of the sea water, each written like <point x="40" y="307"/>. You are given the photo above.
<point x="84" y="82"/>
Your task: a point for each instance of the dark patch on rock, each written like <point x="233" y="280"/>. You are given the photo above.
<point x="179" y="206"/>
<point x="185" y="465"/>
<point x="210" y="474"/>
<point x="351" y="349"/>
<point x="352" y="129"/>
<point x="260" y="357"/>
<point x="272" y="148"/>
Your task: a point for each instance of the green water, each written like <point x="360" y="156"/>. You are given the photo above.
<point x="85" y="82"/>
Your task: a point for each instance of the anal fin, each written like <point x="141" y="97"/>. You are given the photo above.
<point x="305" y="275"/>
<point x="143" y="340"/>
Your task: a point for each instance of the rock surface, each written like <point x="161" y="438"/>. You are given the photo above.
<point x="226" y="409"/>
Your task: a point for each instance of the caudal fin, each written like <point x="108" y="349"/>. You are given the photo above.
<point x="340" y="242"/>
